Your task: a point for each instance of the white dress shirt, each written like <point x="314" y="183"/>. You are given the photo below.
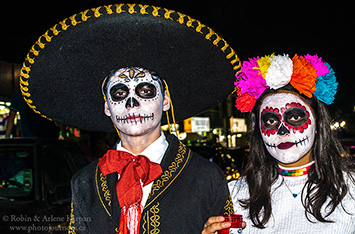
<point x="155" y="153"/>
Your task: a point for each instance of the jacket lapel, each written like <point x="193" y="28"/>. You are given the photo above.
<point x="175" y="160"/>
<point x="106" y="191"/>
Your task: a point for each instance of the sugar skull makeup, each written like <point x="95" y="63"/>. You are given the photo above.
<point x="135" y="101"/>
<point x="287" y="126"/>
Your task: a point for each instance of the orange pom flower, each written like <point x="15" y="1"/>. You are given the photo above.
<point x="304" y="76"/>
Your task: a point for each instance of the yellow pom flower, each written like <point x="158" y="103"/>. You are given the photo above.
<point x="264" y="63"/>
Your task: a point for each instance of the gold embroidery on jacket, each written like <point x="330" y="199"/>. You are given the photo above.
<point x="168" y="174"/>
<point x="154" y="219"/>
<point x="145" y="216"/>
<point x="151" y="220"/>
<point x="98" y="191"/>
<point x="105" y="189"/>
<point x="71" y="229"/>
<point x="228" y="208"/>
<point x="159" y="183"/>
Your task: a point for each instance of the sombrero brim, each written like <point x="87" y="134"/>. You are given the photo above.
<point x="62" y="74"/>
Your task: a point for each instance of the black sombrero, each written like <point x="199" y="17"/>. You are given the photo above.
<point x="62" y="74"/>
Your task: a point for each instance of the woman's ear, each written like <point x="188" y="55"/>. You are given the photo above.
<point x="166" y="101"/>
<point x="106" y="109"/>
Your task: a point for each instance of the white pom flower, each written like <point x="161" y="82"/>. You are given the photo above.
<point x="280" y="71"/>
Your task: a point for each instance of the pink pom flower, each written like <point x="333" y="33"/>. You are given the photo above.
<point x="317" y="64"/>
<point x="250" y="79"/>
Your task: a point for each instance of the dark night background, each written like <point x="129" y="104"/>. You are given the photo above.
<point x="252" y="28"/>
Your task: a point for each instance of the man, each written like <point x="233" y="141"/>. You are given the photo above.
<point x="185" y="193"/>
<point x="149" y="182"/>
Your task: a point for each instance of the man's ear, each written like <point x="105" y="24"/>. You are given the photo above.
<point x="166" y="101"/>
<point x="107" y="110"/>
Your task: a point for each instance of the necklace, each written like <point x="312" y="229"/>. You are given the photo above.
<point x="293" y="194"/>
<point x="295" y="171"/>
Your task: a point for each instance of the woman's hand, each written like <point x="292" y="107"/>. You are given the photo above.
<point x="215" y="224"/>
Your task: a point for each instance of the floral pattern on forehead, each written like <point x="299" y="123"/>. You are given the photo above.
<point x="132" y="74"/>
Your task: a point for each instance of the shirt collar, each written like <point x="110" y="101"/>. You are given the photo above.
<point x="154" y="151"/>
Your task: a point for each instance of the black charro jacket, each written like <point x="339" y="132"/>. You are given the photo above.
<point x="190" y="190"/>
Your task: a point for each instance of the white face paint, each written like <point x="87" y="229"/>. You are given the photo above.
<point x="287" y="126"/>
<point x="134" y="101"/>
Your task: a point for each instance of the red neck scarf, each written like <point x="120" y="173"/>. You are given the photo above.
<point x="132" y="170"/>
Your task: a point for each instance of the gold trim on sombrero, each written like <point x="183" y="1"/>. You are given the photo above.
<point x="109" y="10"/>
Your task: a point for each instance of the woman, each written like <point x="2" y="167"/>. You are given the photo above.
<point x="297" y="179"/>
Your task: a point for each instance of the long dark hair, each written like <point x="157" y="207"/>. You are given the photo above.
<point x="325" y="177"/>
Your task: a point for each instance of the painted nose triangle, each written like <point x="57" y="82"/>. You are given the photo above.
<point x="283" y="130"/>
<point x="132" y="102"/>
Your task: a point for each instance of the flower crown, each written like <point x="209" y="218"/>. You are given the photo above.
<point x="308" y="74"/>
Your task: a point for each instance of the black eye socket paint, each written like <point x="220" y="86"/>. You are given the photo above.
<point x="295" y="116"/>
<point x="119" y="92"/>
<point x="146" y="90"/>
<point x="270" y="120"/>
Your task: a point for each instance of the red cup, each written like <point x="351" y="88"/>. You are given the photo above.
<point x="236" y="220"/>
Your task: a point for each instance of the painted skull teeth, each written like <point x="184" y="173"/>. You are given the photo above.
<point x="270" y="145"/>
<point x="302" y="141"/>
<point x="289" y="144"/>
<point x="133" y="118"/>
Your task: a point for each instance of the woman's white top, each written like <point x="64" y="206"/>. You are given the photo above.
<point x="288" y="213"/>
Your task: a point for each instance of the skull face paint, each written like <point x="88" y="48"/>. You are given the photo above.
<point x="287" y="126"/>
<point x="134" y="100"/>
